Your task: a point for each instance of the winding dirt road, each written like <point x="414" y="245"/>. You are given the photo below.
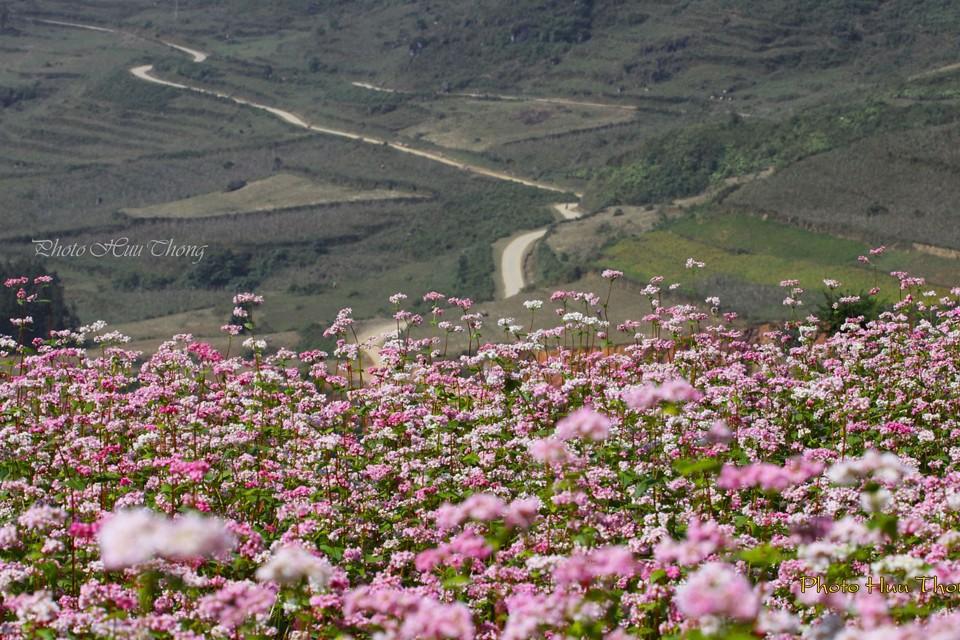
<point x="198" y="56"/>
<point x="145" y="72"/>
<point x="514" y="254"/>
<point x="75" y="25"/>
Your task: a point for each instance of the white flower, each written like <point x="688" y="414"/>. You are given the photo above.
<point x="193" y="536"/>
<point x="777" y="621"/>
<point x="953" y="501"/>
<point x="135" y="536"/>
<point x="885" y="467"/>
<point x="128" y="538"/>
<point x="255" y="345"/>
<point x="291" y="563"/>
<point x="875" y="501"/>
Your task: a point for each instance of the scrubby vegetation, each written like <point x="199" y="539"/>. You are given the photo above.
<point x="688" y="161"/>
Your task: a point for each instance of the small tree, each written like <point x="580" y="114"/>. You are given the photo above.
<point x="53" y="313"/>
<point x="837" y="307"/>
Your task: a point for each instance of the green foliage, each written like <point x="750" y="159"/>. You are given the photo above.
<point x="126" y="91"/>
<point x="474" y="267"/>
<point x="676" y="165"/>
<point x="687" y="161"/>
<point x="553" y="269"/>
<point x="239" y="269"/>
<point x="311" y="337"/>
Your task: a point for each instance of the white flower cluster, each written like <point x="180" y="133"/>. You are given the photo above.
<point x="883" y="467"/>
<point x="135" y="536"/>
<point x="292" y="563"/>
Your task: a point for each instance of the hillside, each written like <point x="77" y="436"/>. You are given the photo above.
<point x="634" y="104"/>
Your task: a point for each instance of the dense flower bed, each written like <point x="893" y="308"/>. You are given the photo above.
<point x="694" y="484"/>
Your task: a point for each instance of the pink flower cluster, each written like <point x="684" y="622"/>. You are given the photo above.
<point x="544" y="487"/>
<point x="770" y="477"/>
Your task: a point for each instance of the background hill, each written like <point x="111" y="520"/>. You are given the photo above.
<point x="662" y="114"/>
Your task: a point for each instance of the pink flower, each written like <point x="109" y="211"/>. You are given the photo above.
<point x="483" y="507"/>
<point x="703" y="540"/>
<point x="522" y="512"/>
<point x="435" y="621"/>
<point x="675" y="391"/>
<point x="235" y="603"/>
<point x="605" y="562"/>
<point x="550" y="451"/>
<point x="717" y="589"/>
<point x="584" y="423"/>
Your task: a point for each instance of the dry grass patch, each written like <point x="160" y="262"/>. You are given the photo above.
<point x="276" y="193"/>
<point x="477" y="125"/>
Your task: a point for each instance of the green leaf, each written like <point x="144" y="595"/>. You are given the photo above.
<point x="884" y="522"/>
<point x="456" y="582"/>
<point x="688" y="467"/>
<point x="657" y="576"/>
<point x="762" y="556"/>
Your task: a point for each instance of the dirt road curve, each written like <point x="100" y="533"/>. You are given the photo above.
<point x="514" y="256"/>
<point x="198" y="56"/>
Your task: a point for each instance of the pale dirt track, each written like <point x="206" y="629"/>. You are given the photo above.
<point x="510" y="98"/>
<point x="145" y="72"/>
<point x="75" y="25"/>
<point x="513" y="259"/>
<point x="198" y="56"/>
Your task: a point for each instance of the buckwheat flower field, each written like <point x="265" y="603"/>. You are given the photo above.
<point x="693" y="484"/>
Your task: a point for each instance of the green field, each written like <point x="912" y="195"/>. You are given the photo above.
<point x="753" y="255"/>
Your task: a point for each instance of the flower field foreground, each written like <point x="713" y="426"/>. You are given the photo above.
<point x="692" y="485"/>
